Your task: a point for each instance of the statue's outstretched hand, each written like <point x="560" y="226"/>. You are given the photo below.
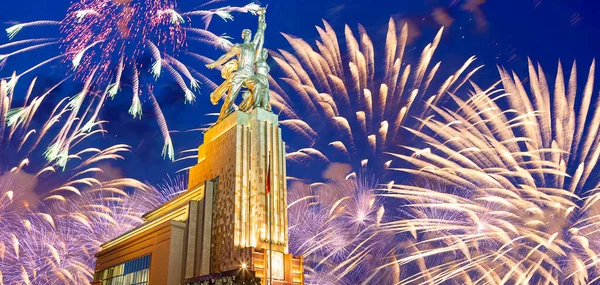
<point x="262" y="15"/>
<point x="211" y="65"/>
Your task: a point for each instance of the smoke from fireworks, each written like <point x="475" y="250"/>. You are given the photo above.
<point x="517" y="201"/>
<point x="106" y="41"/>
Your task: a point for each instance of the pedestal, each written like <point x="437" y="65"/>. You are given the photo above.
<point x="237" y="155"/>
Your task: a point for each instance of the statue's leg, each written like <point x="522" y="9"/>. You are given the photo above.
<point x="262" y="97"/>
<point x="265" y="101"/>
<point x="228" y="105"/>
<point x="235" y="90"/>
<point x="246" y="104"/>
<point x="225" y="109"/>
<point x="267" y="98"/>
<point x="258" y="95"/>
<point x="250" y="101"/>
<point x="237" y="83"/>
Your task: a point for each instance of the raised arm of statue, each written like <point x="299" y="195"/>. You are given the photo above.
<point x="235" y="50"/>
<point x="259" y="37"/>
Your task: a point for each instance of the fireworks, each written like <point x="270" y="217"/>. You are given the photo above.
<point x="108" y="41"/>
<point x="23" y="140"/>
<point x="57" y="244"/>
<point x="516" y="200"/>
<point x="335" y="225"/>
<point x="511" y="196"/>
<point x="51" y="210"/>
<point x="349" y="106"/>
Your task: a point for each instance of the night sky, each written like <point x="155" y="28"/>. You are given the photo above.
<point x="498" y="32"/>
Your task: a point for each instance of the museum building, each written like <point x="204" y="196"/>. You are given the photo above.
<point x="229" y="227"/>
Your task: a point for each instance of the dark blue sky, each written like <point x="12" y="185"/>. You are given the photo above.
<point x="500" y="32"/>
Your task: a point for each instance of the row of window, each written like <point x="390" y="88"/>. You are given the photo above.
<point x="133" y="272"/>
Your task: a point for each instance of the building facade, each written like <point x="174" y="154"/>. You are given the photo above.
<point x="230" y="224"/>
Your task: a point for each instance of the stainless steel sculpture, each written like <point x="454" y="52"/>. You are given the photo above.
<point x="248" y="70"/>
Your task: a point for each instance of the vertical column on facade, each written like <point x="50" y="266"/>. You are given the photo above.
<point x="284" y="169"/>
<point x="245" y="203"/>
<point x="261" y="162"/>
<point x="176" y="253"/>
<point x="205" y="248"/>
<point x="252" y="196"/>
<point x="191" y="238"/>
<point x="274" y="147"/>
<point x="281" y="182"/>
<point x="237" y="186"/>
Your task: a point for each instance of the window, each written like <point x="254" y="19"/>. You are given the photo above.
<point x="133" y="272"/>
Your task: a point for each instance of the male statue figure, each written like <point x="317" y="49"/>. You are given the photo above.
<point x="242" y="77"/>
<point x="258" y="95"/>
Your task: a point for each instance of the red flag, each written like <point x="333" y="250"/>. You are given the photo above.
<point x="268" y="182"/>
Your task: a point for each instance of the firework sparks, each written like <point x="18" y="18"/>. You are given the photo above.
<point x="517" y="202"/>
<point x="23" y="139"/>
<point x="49" y="208"/>
<point x="59" y="241"/>
<point x="354" y="108"/>
<point x="335" y="226"/>
<point x="348" y="104"/>
<point x="105" y="40"/>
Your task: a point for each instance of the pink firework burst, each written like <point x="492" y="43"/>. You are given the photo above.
<point x="104" y="34"/>
<point x="105" y="41"/>
<point x="104" y="38"/>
